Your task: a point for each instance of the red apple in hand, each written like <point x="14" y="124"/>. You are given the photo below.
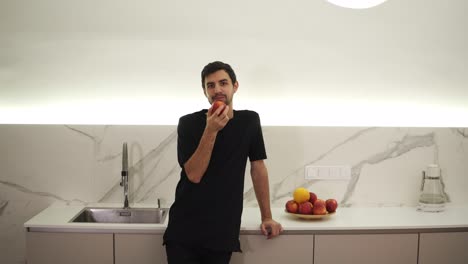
<point x="216" y="105"/>
<point x="313" y="197"/>
<point x="319" y="207"/>
<point x="331" y="205"/>
<point x="292" y="206"/>
<point x="305" y="208"/>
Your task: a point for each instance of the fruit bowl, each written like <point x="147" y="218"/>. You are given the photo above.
<point x="307" y="216"/>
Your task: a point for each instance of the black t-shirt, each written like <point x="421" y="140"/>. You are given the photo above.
<point x="208" y="214"/>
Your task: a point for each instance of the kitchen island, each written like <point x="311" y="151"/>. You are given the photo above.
<point x="366" y="235"/>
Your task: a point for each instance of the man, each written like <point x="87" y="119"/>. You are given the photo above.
<point x="213" y="148"/>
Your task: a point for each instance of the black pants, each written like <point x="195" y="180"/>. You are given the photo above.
<point x="183" y="254"/>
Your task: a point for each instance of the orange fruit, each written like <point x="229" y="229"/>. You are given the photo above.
<point x="301" y="195"/>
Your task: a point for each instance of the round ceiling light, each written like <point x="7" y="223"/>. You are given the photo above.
<point x="356" y="4"/>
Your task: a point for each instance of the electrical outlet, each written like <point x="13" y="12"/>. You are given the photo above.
<point x="328" y="172"/>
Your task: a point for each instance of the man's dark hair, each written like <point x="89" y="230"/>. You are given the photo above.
<point x="216" y="66"/>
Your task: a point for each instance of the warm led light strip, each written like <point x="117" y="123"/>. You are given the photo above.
<point x="272" y="113"/>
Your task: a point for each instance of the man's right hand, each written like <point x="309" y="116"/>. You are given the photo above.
<point x="217" y="120"/>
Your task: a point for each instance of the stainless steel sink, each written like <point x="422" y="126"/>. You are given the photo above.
<point x="119" y="215"/>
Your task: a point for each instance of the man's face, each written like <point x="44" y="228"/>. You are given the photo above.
<point x="219" y="86"/>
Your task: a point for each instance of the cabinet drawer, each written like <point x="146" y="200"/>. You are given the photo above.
<point x="70" y="248"/>
<point x="139" y="249"/>
<point x="366" y="249"/>
<point x="279" y="250"/>
<point x="436" y="248"/>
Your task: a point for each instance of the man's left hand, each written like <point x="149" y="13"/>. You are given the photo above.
<point x="271" y="228"/>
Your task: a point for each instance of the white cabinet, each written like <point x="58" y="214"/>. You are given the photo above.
<point x="366" y="249"/>
<point x="282" y="249"/>
<point x="443" y="248"/>
<point x="139" y="248"/>
<point x="70" y="248"/>
<point x="121" y="248"/>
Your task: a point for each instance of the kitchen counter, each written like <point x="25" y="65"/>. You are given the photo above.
<point x="377" y="219"/>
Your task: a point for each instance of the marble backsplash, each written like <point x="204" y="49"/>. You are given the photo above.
<point x="77" y="164"/>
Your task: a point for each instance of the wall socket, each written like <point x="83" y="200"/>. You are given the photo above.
<point x="328" y="172"/>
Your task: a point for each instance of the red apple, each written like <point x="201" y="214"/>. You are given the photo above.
<point x="292" y="206"/>
<point x="319" y="207"/>
<point x="331" y="205"/>
<point x="313" y="197"/>
<point x="305" y="208"/>
<point x="216" y="105"/>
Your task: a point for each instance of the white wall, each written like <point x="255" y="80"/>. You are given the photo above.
<point x="67" y="61"/>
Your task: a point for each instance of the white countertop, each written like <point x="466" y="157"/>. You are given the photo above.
<point x="384" y="219"/>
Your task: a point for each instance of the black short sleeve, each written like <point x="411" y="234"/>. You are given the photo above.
<point x="257" y="147"/>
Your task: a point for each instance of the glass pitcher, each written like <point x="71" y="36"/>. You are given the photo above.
<point x="432" y="198"/>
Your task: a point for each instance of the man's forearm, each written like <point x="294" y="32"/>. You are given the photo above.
<point x="261" y="186"/>
<point x="197" y="164"/>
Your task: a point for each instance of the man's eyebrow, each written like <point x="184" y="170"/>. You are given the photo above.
<point x="222" y="80"/>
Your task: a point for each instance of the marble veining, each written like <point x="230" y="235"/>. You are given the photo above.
<point x="462" y="131"/>
<point x="96" y="138"/>
<point x="151" y="178"/>
<point x="149" y="184"/>
<point x="3" y="205"/>
<point x="85" y="163"/>
<point x="84" y="133"/>
<point x="25" y="190"/>
<point x="154" y="187"/>
<point x="408" y="143"/>
<point x="299" y="172"/>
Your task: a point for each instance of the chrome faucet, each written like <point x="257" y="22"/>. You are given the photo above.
<point x="124" y="181"/>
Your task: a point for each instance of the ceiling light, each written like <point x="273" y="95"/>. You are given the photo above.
<point x="356" y="4"/>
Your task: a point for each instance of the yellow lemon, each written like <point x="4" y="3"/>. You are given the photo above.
<point x="301" y="195"/>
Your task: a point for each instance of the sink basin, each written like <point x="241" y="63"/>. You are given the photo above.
<point x="119" y="215"/>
